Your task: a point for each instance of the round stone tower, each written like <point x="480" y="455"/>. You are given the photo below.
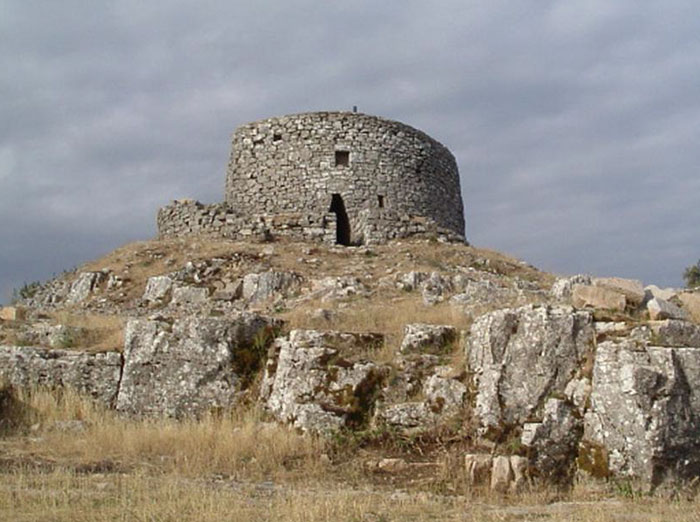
<point x="372" y="179"/>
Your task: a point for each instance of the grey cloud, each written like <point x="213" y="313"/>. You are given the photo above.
<point x="574" y="123"/>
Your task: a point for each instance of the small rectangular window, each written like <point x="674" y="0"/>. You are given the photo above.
<point x="342" y="158"/>
<point x="276" y="137"/>
<point x="380" y="201"/>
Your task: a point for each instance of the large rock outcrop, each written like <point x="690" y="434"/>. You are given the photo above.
<point x="522" y="356"/>
<point x="644" y="414"/>
<point x="188" y="366"/>
<point x="93" y="374"/>
<point x="316" y="382"/>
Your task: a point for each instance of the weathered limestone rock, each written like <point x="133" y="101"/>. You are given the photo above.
<point x="660" y="309"/>
<point x="12" y="313"/>
<point x="93" y="374"/>
<point x="337" y="287"/>
<point x="552" y="443"/>
<point x="675" y="333"/>
<point x="444" y="396"/>
<point x="435" y="287"/>
<point x="478" y="467"/>
<point x="598" y="297"/>
<point x="189" y="366"/>
<point x="411" y="281"/>
<point x="632" y="289"/>
<point x="644" y="412"/>
<point x="189" y="295"/>
<point x="310" y="382"/>
<point x="563" y="287"/>
<point x="440" y="388"/>
<point x="691" y="303"/>
<point x="501" y="474"/>
<point x="477" y="293"/>
<point x="662" y="293"/>
<point x="157" y="289"/>
<point x="259" y="287"/>
<point x="522" y="355"/>
<point x="406" y="415"/>
<point x="520" y="467"/>
<point x="83" y="286"/>
<point x="427" y="337"/>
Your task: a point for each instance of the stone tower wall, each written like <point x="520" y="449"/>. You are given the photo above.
<point x="294" y="164"/>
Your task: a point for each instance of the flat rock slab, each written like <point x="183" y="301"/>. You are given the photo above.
<point x="598" y="297"/>
<point x="93" y="374"/>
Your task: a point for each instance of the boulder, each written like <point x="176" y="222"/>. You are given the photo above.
<point x="597" y="297"/>
<point x="691" y="304"/>
<point x="563" y="287"/>
<point x="435" y="287"/>
<point x="411" y="281"/>
<point x="501" y="474"/>
<point x="444" y="396"/>
<point x="93" y="374"/>
<point x="265" y="285"/>
<point x="520" y="356"/>
<point x="552" y="444"/>
<point x="405" y="415"/>
<point x="644" y="410"/>
<point x="157" y="289"/>
<point x="311" y="381"/>
<point x="632" y="289"/>
<point x="660" y="309"/>
<point x="189" y="295"/>
<point x="662" y="293"/>
<point x="190" y="366"/>
<point x="420" y="337"/>
<point x="83" y="286"/>
<point x="337" y="287"/>
<point x="675" y="333"/>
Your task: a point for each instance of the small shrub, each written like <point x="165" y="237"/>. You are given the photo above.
<point x="691" y="276"/>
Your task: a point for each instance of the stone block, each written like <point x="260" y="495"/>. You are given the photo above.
<point x="598" y="297"/>
<point x="501" y="474"/>
<point x="632" y="289"/>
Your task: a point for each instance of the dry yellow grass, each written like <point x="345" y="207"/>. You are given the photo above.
<point x="237" y="467"/>
<point x="234" y="443"/>
<point x="68" y="496"/>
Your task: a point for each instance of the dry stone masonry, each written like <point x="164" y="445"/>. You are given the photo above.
<point x="336" y="177"/>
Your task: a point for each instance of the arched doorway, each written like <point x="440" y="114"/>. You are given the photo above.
<point x="342" y="230"/>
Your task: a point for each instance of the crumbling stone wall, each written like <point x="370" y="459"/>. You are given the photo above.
<point x="296" y="163"/>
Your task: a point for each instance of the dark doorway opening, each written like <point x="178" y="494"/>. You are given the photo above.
<point x="342" y="230"/>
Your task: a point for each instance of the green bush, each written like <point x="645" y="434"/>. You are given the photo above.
<point x="691" y="276"/>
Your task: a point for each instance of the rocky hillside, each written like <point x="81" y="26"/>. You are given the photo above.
<point x="536" y="378"/>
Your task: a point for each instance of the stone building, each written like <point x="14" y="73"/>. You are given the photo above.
<point x="338" y="177"/>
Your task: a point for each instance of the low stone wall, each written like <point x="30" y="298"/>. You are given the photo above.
<point x="372" y="225"/>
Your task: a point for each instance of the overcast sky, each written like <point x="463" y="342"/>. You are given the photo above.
<point x="575" y="123"/>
